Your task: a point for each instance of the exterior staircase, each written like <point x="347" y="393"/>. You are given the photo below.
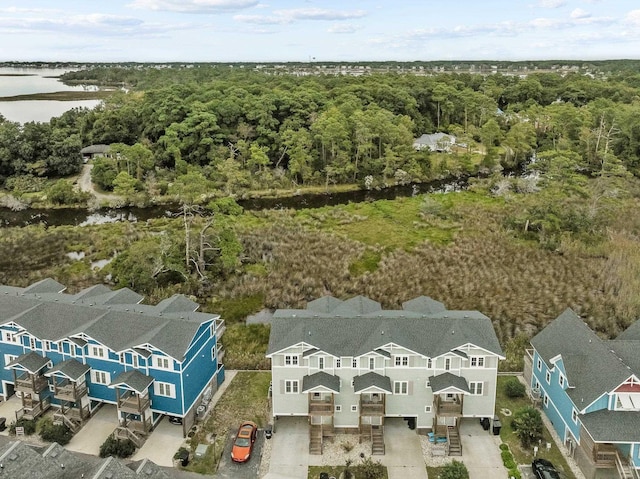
<point x="453" y="441"/>
<point x="73" y="423"/>
<point x="377" y="440"/>
<point x="315" y="439"/>
<point x="625" y="471"/>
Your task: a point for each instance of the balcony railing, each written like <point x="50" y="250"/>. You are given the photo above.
<point x="371" y="408"/>
<point x="320" y="407"/>
<point x="133" y="403"/>
<point x="34" y="410"/>
<point x="220" y="329"/>
<point x="70" y="392"/>
<point x="450" y="408"/>
<point x="31" y="384"/>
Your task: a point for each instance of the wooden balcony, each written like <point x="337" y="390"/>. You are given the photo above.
<point x="133" y="403"/>
<point x="32" y="409"/>
<point x="448" y="408"/>
<point x="321" y="408"/>
<point x="123" y="432"/>
<point x="220" y="329"/>
<point x="31" y="383"/>
<point x="369" y="408"/>
<point x="70" y="391"/>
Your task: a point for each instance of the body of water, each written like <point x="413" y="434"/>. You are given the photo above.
<point x="28" y="81"/>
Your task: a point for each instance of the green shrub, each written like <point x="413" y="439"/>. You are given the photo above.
<point x="454" y="470"/>
<point x="55" y="432"/>
<point x="527" y="425"/>
<point x="29" y="426"/>
<point x="509" y="462"/>
<point x="117" y="447"/>
<point x="513" y="388"/>
<point x="370" y="469"/>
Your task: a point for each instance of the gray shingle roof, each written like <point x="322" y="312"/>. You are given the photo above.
<point x="105" y="317"/>
<point x="71" y="368"/>
<point x="352" y="334"/>
<point x="424" y="304"/>
<point x="133" y="379"/>
<point x="46" y="285"/>
<point x="93" y="149"/>
<point x="447" y="380"/>
<point x="631" y="333"/>
<point x="178" y="303"/>
<point x="371" y="379"/>
<point x="323" y="379"/>
<point x="149" y="470"/>
<point x="31" y="362"/>
<point x="326" y="304"/>
<point x="111" y="468"/>
<point x="21" y="461"/>
<point x="592" y="368"/>
<point x="56" y="456"/>
<point x="610" y="426"/>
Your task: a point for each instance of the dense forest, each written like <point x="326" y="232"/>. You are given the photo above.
<point x="561" y="232"/>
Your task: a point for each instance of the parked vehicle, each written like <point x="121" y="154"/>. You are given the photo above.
<point x="243" y="444"/>
<point x="543" y="469"/>
<point x="175" y="420"/>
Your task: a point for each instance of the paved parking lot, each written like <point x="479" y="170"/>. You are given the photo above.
<point x="290" y="448"/>
<point x="8" y="410"/>
<point x="248" y="470"/>
<point x="480" y="451"/>
<point x="162" y="444"/>
<point x="89" y="439"/>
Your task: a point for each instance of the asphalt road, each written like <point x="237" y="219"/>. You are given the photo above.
<point x="248" y="470"/>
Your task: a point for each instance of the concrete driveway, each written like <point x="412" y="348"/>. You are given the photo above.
<point x="290" y="448"/>
<point x="89" y="439"/>
<point x="162" y="444"/>
<point x="227" y="469"/>
<point x="480" y="451"/>
<point x="8" y="410"/>
<point x="403" y="453"/>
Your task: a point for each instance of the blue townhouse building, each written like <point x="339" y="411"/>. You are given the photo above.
<point x="73" y="353"/>
<point x="589" y="388"/>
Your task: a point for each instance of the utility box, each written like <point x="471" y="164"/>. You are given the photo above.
<point x="497" y="425"/>
<point x="201" y="450"/>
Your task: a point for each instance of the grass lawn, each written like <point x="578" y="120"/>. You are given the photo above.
<point x="434" y="472"/>
<point x="244" y="399"/>
<point x="335" y="471"/>
<point x="525" y="456"/>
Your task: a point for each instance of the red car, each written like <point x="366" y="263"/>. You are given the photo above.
<point x="242" y="446"/>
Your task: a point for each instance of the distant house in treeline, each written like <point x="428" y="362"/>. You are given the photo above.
<point x="435" y="142"/>
<point x="94" y="151"/>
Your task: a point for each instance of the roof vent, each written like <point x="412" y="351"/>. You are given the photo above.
<point x="466" y="315"/>
<point x="309" y="333"/>
<point x="453" y="332"/>
<point x="381" y="332"/>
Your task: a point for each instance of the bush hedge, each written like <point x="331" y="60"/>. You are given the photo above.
<point x="122" y="448"/>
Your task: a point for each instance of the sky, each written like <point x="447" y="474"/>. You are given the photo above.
<point x="317" y="30"/>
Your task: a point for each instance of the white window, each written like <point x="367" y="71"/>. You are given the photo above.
<point x="354" y="408"/>
<point x="429" y="363"/>
<point x="447" y="364"/>
<point x="401" y="387"/>
<point x="321" y="362"/>
<point x="163" y="362"/>
<point x="291" y="386"/>
<point x="354" y="363"/>
<point x="476" y="388"/>
<point x="100" y="377"/>
<point x="123" y="358"/>
<point x="32" y="342"/>
<point x="561" y="380"/>
<point x="213" y="354"/>
<point x="477" y="361"/>
<point x="338" y="363"/>
<point x="10" y="337"/>
<point x="291" y="360"/>
<point x="548" y="377"/>
<point x="8" y="358"/>
<point x="164" y="389"/>
<point x="134" y="358"/>
<point x="372" y="363"/>
<point x="402" y="361"/>
<point x="546" y="401"/>
<point x="574" y="416"/>
<point x="427" y="409"/>
<point x="338" y="408"/>
<point x="47" y="345"/>
<point x="539" y="364"/>
<point x="97" y="351"/>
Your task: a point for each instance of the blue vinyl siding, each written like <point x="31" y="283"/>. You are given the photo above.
<point x="635" y="454"/>
<point x="199" y="370"/>
<point x="162" y="403"/>
<point x="601" y="403"/>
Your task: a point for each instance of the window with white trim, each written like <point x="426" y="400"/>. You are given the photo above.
<point x="96" y="351"/>
<point x="354" y="363"/>
<point x="321" y="362"/>
<point x="476" y="388"/>
<point x="546" y="401"/>
<point x="100" y="377"/>
<point x="477" y="361"/>
<point x="8" y="358"/>
<point x="539" y="364"/>
<point x="32" y="342"/>
<point x="427" y="409"/>
<point x="372" y="363"/>
<point x="354" y="408"/>
<point x="291" y="360"/>
<point x="163" y="362"/>
<point x="429" y="363"/>
<point x="291" y="386"/>
<point x="402" y="361"/>
<point x="338" y="363"/>
<point x="10" y="337"/>
<point x="574" y="416"/>
<point x="548" y="377"/>
<point x="338" y="408"/>
<point x="401" y="387"/>
<point x="561" y="380"/>
<point x="447" y="364"/>
<point x="164" y="389"/>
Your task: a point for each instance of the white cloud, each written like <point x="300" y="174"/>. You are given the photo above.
<point x="342" y="28"/>
<point x="633" y="18"/>
<point x="320" y="14"/>
<point x="579" y="13"/>
<point x="551" y="3"/>
<point x="193" y="6"/>
<point x="262" y="19"/>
